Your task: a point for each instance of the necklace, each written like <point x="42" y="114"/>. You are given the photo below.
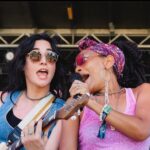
<point x="117" y="102"/>
<point x="35" y="99"/>
<point x="111" y="93"/>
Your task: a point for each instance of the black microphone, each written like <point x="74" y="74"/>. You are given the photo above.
<point x="76" y="76"/>
<point x="73" y="77"/>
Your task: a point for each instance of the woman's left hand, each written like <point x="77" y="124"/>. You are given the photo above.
<point x="32" y="138"/>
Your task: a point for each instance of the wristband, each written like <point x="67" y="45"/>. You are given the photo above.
<point x="105" y="111"/>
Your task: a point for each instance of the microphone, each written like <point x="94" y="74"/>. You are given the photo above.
<point x="73" y="77"/>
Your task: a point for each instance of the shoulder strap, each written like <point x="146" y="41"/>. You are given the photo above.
<point x="38" y="111"/>
<point x="34" y="115"/>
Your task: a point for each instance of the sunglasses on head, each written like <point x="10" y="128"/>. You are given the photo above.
<point x="35" y="56"/>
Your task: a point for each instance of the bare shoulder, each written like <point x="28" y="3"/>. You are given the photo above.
<point x="143" y="87"/>
<point x="142" y="91"/>
<point x="4" y="96"/>
<point x="0" y="100"/>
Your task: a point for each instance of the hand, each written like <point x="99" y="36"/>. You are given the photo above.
<point x="78" y="87"/>
<point x="32" y="139"/>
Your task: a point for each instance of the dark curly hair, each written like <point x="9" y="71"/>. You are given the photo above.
<point x="16" y="76"/>
<point x="133" y="73"/>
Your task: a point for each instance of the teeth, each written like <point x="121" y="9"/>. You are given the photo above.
<point x="43" y="70"/>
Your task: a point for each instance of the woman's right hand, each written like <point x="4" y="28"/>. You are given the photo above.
<point x="78" y="87"/>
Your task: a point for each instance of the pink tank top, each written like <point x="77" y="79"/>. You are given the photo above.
<point x="114" y="140"/>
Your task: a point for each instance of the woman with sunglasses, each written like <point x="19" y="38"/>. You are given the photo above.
<point x="35" y="72"/>
<point x="116" y="116"/>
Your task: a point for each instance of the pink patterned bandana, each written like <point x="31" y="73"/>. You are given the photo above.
<point x="105" y="49"/>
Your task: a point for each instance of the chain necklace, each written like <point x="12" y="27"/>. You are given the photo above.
<point x="111" y="93"/>
<point x="36" y="99"/>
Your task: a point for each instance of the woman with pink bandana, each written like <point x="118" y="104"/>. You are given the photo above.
<point x="116" y="116"/>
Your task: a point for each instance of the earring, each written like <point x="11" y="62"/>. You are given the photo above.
<point x="106" y="97"/>
<point x="107" y="79"/>
<point x="102" y="129"/>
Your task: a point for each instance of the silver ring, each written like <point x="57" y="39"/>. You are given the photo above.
<point x="30" y="131"/>
<point x="45" y="134"/>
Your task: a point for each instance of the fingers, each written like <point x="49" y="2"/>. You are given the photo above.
<point x="30" y="129"/>
<point x="31" y="136"/>
<point x="78" y="87"/>
<point x="38" y="131"/>
<point x="45" y="137"/>
<point x="27" y="133"/>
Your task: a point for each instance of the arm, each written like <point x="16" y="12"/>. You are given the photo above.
<point x="136" y="127"/>
<point x="54" y="139"/>
<point x="69" y="136"/>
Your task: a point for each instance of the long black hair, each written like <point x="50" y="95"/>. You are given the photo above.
<point x="134" y="72"/>
<point x="16" y="76"/>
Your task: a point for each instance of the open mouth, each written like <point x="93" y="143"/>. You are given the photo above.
<point x="85" y="77"/>
<point x="42" y="71"/>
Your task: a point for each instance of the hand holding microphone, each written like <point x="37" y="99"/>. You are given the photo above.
<point x="78" y="87"/>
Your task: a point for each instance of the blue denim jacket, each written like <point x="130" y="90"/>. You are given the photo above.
<point x="6" y="128"/>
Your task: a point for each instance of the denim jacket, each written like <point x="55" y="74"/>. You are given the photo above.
<point x="6" y="128"/>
